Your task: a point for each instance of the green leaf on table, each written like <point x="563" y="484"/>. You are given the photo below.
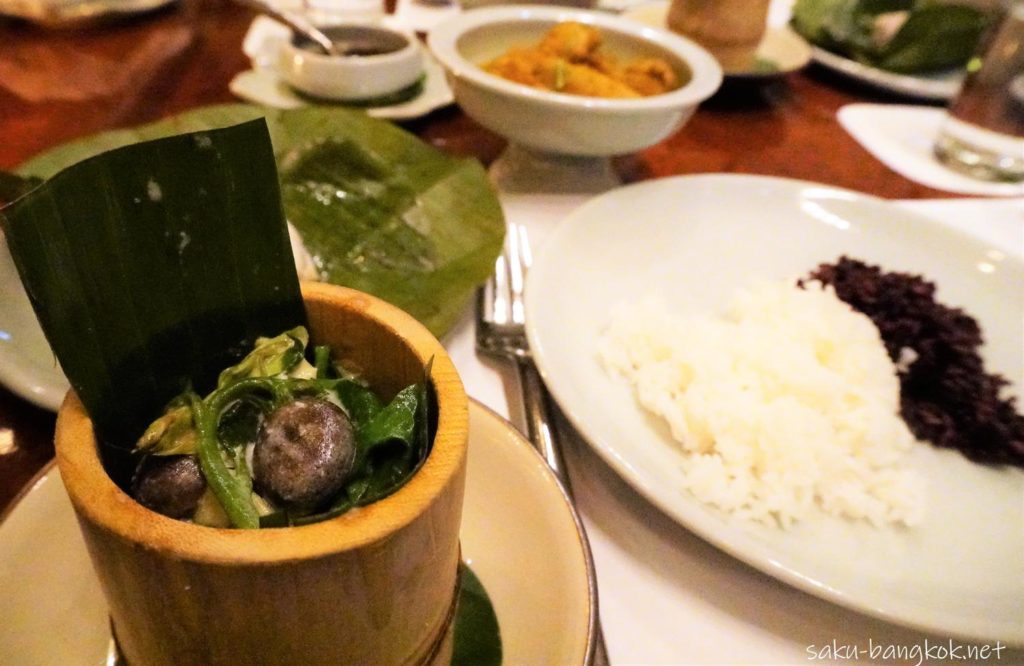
<point x="387" y="214"/>
<point x="380" y="210"/>
<point x="934" y="37"/>
<point x="477" y="640"/>
<point x="152" y="266"/>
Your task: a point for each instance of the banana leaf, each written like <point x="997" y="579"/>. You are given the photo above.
<point x="153" y="266"/>
<point x="935" y="36"/>
<point x="378" y="209"/>
<point x="477" y="640"/>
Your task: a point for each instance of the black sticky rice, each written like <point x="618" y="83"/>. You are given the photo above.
<point x="946" y="395"/>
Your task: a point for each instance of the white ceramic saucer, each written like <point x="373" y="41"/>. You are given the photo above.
<point x="902" y="137"/>
<point x="262" y="85"/>
<point x="781" y="50"/>
<point x="519" y="535"/>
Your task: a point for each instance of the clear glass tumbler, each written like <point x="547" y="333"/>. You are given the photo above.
<point x="983" y="134"/>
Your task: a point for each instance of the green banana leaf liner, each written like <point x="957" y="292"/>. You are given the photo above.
<point x="379" y="210"/>
<point x="154" y="266"/>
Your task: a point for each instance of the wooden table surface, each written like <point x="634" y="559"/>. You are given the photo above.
<point x="58" y="85"/>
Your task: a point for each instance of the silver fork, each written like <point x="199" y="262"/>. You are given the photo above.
<point x="501" y="333"/>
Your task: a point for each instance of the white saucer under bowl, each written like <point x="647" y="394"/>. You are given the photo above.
<point x="262" y="84"/>
<point x="519" y="535"/>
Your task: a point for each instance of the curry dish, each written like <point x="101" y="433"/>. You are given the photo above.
<point x="569" y="60"/>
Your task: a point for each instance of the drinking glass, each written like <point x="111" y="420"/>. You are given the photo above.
<point x="983" y="133"/>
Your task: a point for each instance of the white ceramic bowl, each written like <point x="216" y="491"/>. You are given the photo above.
<point x="359" y="74"/>
<point x="561" y="123"/>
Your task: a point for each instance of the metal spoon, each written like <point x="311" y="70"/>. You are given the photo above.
<point x="296" y="22"/>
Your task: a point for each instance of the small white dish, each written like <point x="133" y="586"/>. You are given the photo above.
<point x="693" y="241"/>
<point x="374" y="62"/>
<point x="558" y="123"/>
<point x="519" y="535"/>
<point x="780" y="52"/>
<point x="902" y="138"/>
<point x="263" y="83"/>
<point x="264" y="86"/>
<point x="940" y="86"/>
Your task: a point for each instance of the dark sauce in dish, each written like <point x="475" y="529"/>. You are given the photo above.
<point x="356" y="40"/>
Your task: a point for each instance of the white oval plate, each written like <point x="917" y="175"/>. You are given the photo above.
<point x="27" y="365"/>
<point x="940" y="86"/>
<point x="693" y="241"/>
<point x="263" y="86"/>
<point x="519" y="535"/>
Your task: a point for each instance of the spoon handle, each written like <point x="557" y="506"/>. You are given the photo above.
<point x="300" y="24"/>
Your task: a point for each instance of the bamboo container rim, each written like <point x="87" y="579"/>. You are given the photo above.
<point x="101" y="501"/>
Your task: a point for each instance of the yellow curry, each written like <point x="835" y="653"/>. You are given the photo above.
<point x="568" y="60"/>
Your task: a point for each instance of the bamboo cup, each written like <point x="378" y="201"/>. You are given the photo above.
<point x="730" y="29"/>
<point x="374" y="586"/>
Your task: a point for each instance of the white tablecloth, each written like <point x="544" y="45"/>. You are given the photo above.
<point x="666" y="596"/>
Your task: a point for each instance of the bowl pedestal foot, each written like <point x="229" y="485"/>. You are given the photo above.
<point x="521" y="170"/>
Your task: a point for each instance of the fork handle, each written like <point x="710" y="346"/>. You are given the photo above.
<point x="540" y="424"/>
<point x="540" y="429"/>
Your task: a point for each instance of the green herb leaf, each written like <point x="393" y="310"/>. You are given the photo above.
<point x="360" y="402"/>
<point x="397" y="421"/>
<point x="233" y="492"/>
<point x="170" y="435"/>
<point x="241" y="421"/>
<point x="269" y="357"/>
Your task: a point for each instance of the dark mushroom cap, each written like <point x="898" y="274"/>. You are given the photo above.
<point x="305" y="451"/>
<point x="171" y="485"/>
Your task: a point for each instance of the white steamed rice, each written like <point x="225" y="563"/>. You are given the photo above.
<point x="787" y="406"/>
